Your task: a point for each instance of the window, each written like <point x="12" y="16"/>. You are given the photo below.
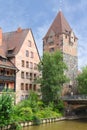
<point x="1" y="86"/>
<point x="51" y="50"/>
<point x="27" y="64"/>
<point x="66" y="36"/>
<point x="22" y="86"/>
<point x="22" y="75"/>
<point x="31" y="76"/>
<point x="30" y="86"/>
<point x="26" y="96"/>
<point x="22" y="62"/>
<point x="22" y="97"/>
<point x="29" y="43"/>
<point x="31" y="65"/>
<point x="31" y="54"/>
<point x="35" y="66"/>
<point x="27" y="53"/>
<point x="51" y="42"/>
<point x="70" y="86"/>
<point x="27" y="75"/>
<point x="35" y="87"/>
<point x="8" y="73"/>
<point x="10" y="51"/>
<point x="26" y="87"/>
<point x="34" y="76"/>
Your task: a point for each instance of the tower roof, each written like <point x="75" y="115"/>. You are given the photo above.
<point x="59" y="25"/>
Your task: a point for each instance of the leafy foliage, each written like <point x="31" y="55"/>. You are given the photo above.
<point x="82" y="81"/>
<point x="6" y="108"/>
<point x="47" y="113"/>
<point x="31" y="109"/>
<point x="52" y="68"/>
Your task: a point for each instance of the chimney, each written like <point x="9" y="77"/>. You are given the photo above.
<point x="0" y="36"/>
<point x="19" y="29"/>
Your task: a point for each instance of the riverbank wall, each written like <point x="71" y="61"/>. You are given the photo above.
<point x="44" y="121"/>
<point x="31" y="123"/>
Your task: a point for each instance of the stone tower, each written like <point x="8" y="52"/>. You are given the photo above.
<point x="60" y="36"/>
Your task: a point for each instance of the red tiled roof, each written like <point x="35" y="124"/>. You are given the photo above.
<point x="12" y="41"/>
<point x="7" y="64"/>
<point x="59" y="25"/>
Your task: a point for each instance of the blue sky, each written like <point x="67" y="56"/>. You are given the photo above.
<point x="39" y="14"/>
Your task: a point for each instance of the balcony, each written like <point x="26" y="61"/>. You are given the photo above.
<point x="7" y="78"/>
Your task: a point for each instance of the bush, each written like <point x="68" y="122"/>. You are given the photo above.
<point x="26" y="113"/>
<point x="6" y="108"/>
<point x="59" y="106"/>
<point x="47" y="113"/>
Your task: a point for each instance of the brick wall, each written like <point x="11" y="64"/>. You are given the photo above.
<point x="28" y="45"/>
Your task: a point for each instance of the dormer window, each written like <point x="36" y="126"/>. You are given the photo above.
<point x="10" y="51"/>
<point x="3" y="59"/>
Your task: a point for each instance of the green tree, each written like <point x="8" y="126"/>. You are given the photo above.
<point x="82" y="81"/>
<point x="52" y="68"/>
<point x="6" y="108"/>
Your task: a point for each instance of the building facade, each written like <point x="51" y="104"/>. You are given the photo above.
<point x="60" y="36"/>
<point x="19" y="58"/>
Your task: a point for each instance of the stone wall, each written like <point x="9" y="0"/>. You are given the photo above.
<point x="31" y="123"/>
<point x="72" y="71"/>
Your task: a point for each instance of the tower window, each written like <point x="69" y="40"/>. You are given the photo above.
<point x="51" y="50"/>
<point x="51" y="42"/>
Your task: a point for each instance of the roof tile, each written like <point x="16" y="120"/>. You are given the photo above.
<point x="59" y="25"/>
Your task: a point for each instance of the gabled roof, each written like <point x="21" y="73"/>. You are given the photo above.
<point x="14" y="40"/>
<point x="59" y="25"/>
<point x="11" y="44"/>
<point x="11" y="41"/>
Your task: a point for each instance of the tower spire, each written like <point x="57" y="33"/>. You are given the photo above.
<point x="60" y="4"/>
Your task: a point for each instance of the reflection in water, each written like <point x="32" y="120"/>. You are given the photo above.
<point x="61" y="125"/>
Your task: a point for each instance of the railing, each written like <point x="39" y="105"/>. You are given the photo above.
<point x="7" y="78"/>
<point x="74" y="97"/>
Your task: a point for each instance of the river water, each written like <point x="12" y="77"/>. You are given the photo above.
<point x="61" y="125"/>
